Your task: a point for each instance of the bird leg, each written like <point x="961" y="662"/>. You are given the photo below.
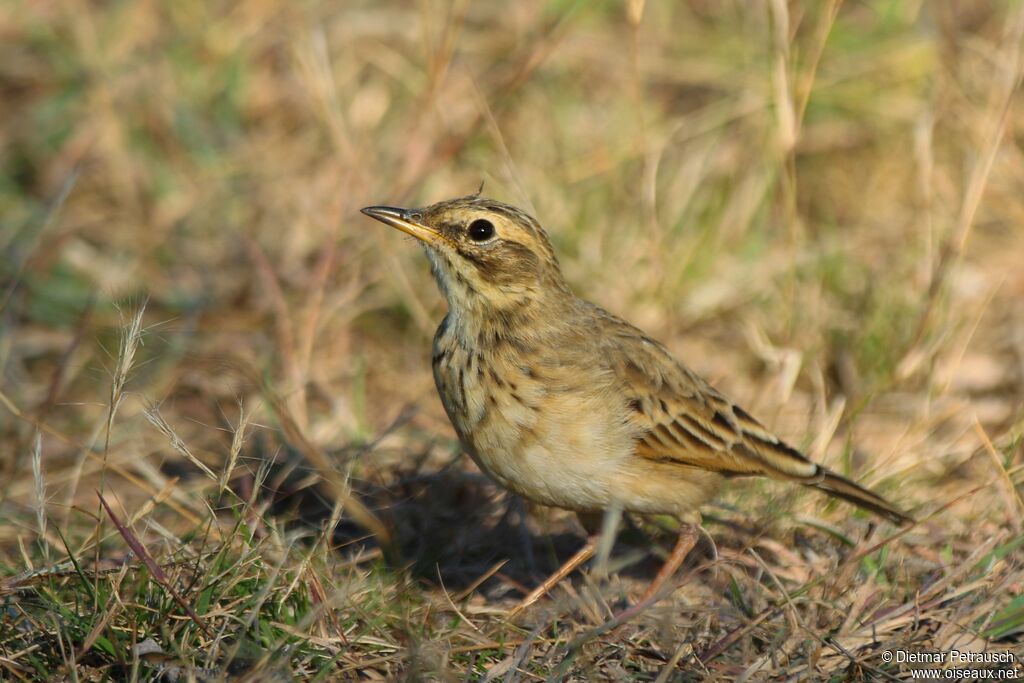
<point x="688" y="535"/>
<point x="684" y="544"/>
<point x="581" y="556"/>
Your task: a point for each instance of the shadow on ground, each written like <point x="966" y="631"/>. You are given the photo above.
<point x="452" y="526"/>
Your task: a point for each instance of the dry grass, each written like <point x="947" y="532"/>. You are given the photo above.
<point x="817" y="205"/>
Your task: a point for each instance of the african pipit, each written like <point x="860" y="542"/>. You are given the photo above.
<point x="569" y="406"/>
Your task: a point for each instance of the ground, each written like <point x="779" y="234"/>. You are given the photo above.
<point x="222" y="450"/>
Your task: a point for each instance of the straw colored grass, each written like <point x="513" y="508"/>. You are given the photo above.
<point x="222" y="452"/>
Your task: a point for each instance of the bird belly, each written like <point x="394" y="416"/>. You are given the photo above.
<point x="555" y="442"/>
<point x="564" y="447"/>
<point x="571" y="464"/>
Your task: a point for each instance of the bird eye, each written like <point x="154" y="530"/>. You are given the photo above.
<point x="481" y="230"/>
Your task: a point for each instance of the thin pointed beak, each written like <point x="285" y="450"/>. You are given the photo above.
<point x="406" y="220"/>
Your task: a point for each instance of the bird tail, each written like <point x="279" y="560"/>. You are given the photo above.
<point x="852" y="492"/>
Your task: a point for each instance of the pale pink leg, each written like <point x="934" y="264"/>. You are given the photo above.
<point x="684" y="544"/>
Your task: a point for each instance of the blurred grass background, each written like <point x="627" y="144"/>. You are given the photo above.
<point x="817" y="205"/>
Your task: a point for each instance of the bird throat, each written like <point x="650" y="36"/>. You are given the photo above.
<point x="489" y="320"/>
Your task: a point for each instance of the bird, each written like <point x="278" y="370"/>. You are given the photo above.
<point x="570" y="406"/>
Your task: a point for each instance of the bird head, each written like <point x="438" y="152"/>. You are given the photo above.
<point x="485" y="255"/>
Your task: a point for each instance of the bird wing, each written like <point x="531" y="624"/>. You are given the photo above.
<point x="685" y="420"/>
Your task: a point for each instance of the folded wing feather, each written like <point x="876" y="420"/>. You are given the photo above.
<point x="685" y="420"/>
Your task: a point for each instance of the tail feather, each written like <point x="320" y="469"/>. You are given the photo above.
<point x="852" y="492"/>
